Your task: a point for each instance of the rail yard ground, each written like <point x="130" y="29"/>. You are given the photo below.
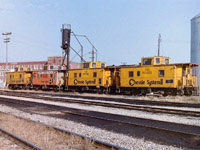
<point x="102" y="133"/>
<point x="178" y="99"/>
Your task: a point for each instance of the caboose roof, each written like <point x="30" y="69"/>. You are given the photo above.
<point x="175" y="64"/>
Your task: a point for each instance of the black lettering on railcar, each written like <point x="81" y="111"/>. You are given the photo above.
<point x="85" y="73"/>
<point x="90" y="82"/>
<point x="147" y="71"/>
<point x="78" y="82"/>
<point x="84" y="82"/>
<point x="155" y="82"/>
<point x="132" y="82"/>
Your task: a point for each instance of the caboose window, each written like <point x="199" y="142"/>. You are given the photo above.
<point x="94" y="74"/>
<point x="75" y="75"/>
<point x="93" y="64"/>
<point x="138" y="73"/>
<point x="157" y="60"/>
<point x="169" y="81"/>
<point x="45" y="68"/>
<point x="99" y="80"/>
<point x="79" y="74"/>
<point x="86" y="65"/>
<point x="166" y="61"/>
<point x="130" y="73"/>
<point x="147" y="61"/>
<point x="188" y="71"/>
<point x="161" y="73"/>
<point x="194" y="71"/>
<point x="102" y="65"/>
<point x="183" y="71"/>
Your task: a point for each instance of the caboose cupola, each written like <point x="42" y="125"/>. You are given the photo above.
<point x="157" y="60"/>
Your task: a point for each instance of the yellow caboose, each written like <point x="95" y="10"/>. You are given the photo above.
<point x="157" y="74"/>
<point x="20" y="79"/>
<point x="94" y="76"/>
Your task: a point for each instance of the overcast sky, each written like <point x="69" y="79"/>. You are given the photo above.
<point x="123" y="31"/>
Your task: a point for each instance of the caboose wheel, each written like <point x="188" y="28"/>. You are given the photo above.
<point x="181" y="92"/>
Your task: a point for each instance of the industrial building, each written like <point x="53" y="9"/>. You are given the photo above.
<point x="52" y="63"/>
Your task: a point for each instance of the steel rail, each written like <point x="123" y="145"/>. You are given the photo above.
<point x="181" y="135"/>
<point x="31" y="145"/>
<point x="121" y="106"/>
<point x="128" y="106"/>
<point x="100" y="143"/>
<point x="106" y="98"/>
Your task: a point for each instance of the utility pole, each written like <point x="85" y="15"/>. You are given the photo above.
<point x="159" y="40"/>
<point x="6" y="40"/>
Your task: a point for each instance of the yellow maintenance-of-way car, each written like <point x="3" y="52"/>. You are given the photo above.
<point x="158" y="75"/>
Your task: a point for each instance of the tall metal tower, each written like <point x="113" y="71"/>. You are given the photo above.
<point x="66" y="34"/>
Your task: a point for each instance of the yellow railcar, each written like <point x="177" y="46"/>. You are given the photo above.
<point x="156" y="74"/>
<point x="20" y="79"/>
<point x="94" y="76"/>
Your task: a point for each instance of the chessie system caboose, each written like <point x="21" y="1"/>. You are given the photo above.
<point x="153" y="74"/>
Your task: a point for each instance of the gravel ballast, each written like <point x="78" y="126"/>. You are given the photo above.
<point x="107" y="136"/>
<point x="6" y="143"/>
<point x="133" y="113"/>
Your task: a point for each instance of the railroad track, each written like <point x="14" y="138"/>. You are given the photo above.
<point x="127" y="106"/>
<point x="151" y="109"/>
<point x="94" y="143"/>
<point x="159" y="131"/>
<point x="104" y="98"/>
<point x="24" y="142"/>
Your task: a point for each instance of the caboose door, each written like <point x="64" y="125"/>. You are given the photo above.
<point x="184" y="76"/>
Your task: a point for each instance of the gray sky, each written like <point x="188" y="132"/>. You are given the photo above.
<point x="121" y="30"/>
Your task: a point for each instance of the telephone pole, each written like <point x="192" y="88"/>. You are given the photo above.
<point x="6" y="40"/>
<point x="159" y="40"/>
